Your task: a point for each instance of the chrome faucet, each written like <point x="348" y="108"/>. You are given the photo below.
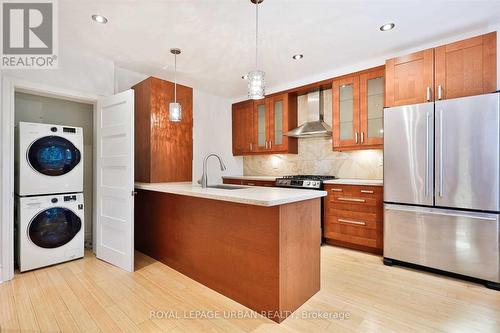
<point x="204" y="177"/>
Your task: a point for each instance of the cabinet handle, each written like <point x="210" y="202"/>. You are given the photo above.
<point x="336" y="189"/>
<point x="351" y="222"/>
<point x="440" y="92"/>
<point x="428" y="94"/>
<point x="266" y="144"/>
<point x="250" y="184"/>
<point x="351" y="199"/>
<point x="356" y="137"/>
<point x="270" y="144"/>
<point x="251" y="147"/>
<point x="362" y="137"/>
<point x="367" y="191"/>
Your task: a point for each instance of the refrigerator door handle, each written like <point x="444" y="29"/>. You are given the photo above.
<point x="427" y="159"/>
<point x="441" y="153"/>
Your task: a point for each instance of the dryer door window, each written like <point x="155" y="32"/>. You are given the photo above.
<point x="53" y="155"/>
<point x="54" y="227"/>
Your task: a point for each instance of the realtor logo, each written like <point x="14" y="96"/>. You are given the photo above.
<point x="29" y="34"/>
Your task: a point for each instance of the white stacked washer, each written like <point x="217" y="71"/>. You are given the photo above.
<point x="49" y="186"/>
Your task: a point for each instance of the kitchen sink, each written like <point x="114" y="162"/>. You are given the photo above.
<point x="227" y="187"/>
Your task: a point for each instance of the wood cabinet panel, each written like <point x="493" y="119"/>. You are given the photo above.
<point x="466" y="68"/>
<point x="265" y="183"/>
<point x="163" y="149"/>
<point x="409" y="79"/>
<point x="242" y="127"/>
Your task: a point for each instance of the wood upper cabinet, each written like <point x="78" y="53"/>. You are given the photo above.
<point x="357" y="103"/>
<point x="409" y="79"/>
<point x="243" y="127"/>
<point x="459" y="69"/>
<point x="466" y="68"/>
<point x="259" y="126"/>
<point x="163" y="149"/>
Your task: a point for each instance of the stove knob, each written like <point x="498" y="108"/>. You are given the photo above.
<point x="306" y="182"/>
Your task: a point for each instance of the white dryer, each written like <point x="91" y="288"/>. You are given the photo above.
<point x="48" y="159"/>
<point x="49" y="230"/>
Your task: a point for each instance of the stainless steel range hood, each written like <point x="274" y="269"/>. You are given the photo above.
<point x="315" y="125"/>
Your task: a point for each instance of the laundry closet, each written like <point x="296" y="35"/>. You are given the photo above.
<point x="54" y="182"/>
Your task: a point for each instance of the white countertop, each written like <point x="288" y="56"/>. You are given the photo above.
<point x="251" y="195"/>
<point x="264" y="178"/>
<point x="353" y="181"/>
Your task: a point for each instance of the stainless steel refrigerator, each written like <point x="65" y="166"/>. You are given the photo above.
<point x="441" y="186"/>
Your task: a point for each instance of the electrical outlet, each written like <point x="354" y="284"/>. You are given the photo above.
<point x="380" y="161"/>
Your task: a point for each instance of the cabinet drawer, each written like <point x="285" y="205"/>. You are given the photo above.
<point x="232" y="181"/>
<point x="352" y="235"/>
<point x="354" y="219"/>
<point x="355" y="190"/>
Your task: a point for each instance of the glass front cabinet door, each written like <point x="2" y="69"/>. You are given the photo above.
<point x="358" y="109"/>
<point x="346" y="112"/>
<point x="372" y="108"/>
<point x="261" y="119"/>
<point x="278" y="123"/>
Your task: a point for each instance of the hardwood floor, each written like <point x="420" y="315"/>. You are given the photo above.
<point x="89" y="295"/>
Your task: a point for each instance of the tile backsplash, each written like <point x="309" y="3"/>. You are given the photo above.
<point x="316" y="156"/>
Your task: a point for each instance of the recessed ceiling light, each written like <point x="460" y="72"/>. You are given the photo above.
<point x="100" y="19"/>
<point x="298" y="56"/>
<point x="244" y="77"/>
<point x="387" y="27"/>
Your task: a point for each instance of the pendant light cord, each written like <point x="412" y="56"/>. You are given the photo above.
<point x="256" y="33"/>
<point x="175" y="78"/>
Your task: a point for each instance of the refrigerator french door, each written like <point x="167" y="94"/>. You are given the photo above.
<point x="441" y="185"/>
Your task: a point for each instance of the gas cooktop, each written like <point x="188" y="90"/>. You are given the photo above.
<point x="313" y="182"/>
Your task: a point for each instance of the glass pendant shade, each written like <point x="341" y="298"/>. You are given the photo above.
<point x="256" y="84"/>
<point x="174" y="112"/>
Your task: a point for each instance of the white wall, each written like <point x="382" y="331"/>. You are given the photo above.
<point x="211" y="128"/>
<point x="212" y="134"/>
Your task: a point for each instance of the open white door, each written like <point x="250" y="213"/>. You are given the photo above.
<point x="115" y="180"/>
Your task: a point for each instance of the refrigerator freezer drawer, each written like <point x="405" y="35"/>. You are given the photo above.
<point x="455" y="241"/>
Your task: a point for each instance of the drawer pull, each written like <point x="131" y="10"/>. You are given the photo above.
<point x="367" y="191"/>
<point x="351" y="222"/>
<point x="250" y="184"/>
<point x="336" y="190"/>
<point x="351" y="199"/>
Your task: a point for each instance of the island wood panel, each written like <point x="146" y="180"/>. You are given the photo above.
<point x="164" y="149"/>
<point x="300" y="236"/>
<point x="408" y="78"/>
<point x="262" y="257"/>
<point x="467" y="67"/>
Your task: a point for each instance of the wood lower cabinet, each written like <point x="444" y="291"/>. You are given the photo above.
<point x="353" y="217"/>
<point x="234" y="181"/>
<point x="163" y="149"/>
<point x="358" y="105"/>
<point x="466" y="68"/>
<point x="259" y="127"/>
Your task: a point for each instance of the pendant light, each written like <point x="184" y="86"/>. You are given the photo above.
<point x="256" y="78"/>
<point x="175" y="109"/>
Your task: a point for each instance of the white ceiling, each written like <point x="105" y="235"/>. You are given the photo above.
<point x="217" y="37"/>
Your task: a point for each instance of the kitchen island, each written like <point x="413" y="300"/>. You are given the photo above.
<point x="256" y="245"/>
